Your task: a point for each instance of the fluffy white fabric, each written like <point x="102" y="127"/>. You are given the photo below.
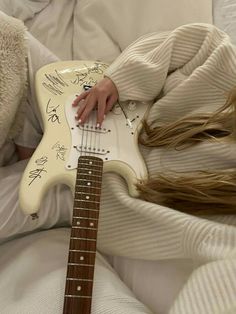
<point x="13" y="76"/>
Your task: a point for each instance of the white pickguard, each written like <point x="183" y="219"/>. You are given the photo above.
<point x="55" y="160"/>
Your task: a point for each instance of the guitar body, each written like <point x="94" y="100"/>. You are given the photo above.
<point x="77" y="155"/>
<point x="55" y="159"/>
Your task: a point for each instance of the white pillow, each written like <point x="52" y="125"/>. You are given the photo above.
<point x="103" y="28"/>
<point x="224" y="17"/>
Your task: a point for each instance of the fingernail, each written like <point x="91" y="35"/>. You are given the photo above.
<point x="79" y="121"/>
<point x="98" y="125"/>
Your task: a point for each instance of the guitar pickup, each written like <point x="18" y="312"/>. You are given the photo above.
<point x="92" y="128"/>
<point x="91" y="150"/>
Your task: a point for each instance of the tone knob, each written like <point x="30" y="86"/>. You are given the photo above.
<point x="117" y="109"/>
<point x="132" y="106"/>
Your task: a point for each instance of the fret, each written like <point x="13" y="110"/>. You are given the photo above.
<point x="91" y="194"/>
<point x="85" y="228"/>
<point x="85" y="180"/>
<point x="92" y="166"/>
<point x="88" y="209"/>
<point x="88" y="189"/>
<point x="86" y="201"/>
<point x="75" y="279"/>
<point x="79" y="264"/>
<point x="88" y="175"/>
<point x="82" y="212"/>
<point x="83" y="251"/>
<point x="85" y="218"/>
<point x="88" y="170"/>
<point x="77" y="296"/>
<point x="85" y="239"/>
<point x="86" y="186"/>
<point x="78" y="202"/>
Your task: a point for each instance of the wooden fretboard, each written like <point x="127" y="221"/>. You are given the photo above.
<point x="82" y="251"/>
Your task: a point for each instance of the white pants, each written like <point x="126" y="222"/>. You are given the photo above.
<point x="32" y="278"/>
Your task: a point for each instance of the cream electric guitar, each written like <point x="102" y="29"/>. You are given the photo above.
<point x="77" y="155"/>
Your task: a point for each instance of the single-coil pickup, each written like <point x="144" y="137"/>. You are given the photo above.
<point x="92" y="150"/>
<point x="92" y="128"/>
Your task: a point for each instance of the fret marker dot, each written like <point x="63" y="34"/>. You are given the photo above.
<point x="78" y="223"/>
<point x="91" y="224"/>
<point x="81" y="258"/>
<point x="89" y="183"/>
<point x="87" y="197"/>
<point x="90" y="172"/>
<point x="78" y="288"/>
<point x="90" y="162"/>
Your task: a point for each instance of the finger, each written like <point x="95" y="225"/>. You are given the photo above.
<point x="110" y="103"/>
<point x="81" y="109"/>
<point x="90" y="103"/>
<point x="79" y="98"/>
<point x="101" y="110"/>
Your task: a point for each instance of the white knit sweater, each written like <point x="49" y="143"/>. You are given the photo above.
<point x="195" y="66"/>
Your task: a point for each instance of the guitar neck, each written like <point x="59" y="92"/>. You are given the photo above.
<point x="82" y="251"/>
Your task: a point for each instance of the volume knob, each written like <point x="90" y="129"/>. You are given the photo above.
<point x="117" y="109"/>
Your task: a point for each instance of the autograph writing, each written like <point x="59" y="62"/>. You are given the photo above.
<point x="55" y="83"/>
<point x="84" y="78"/>
<point x="37" y="173"/>
<point x="60" y="150"/>
<point x="52" y="112"/>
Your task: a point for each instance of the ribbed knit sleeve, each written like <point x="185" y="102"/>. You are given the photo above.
<point x="140" y="71"/>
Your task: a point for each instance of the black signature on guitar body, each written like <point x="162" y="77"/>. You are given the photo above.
<point x="52" y="112"/>
<point x="55" y="83"/>
<point x="60" y="150"/>
<point x="37" y="173"/>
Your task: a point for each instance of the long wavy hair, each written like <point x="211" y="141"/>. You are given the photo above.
<point x="198" y="192"/>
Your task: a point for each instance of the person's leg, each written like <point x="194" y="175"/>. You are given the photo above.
<point x="33" y="273"/>
<point x="13" y="221"/>
<point x="111" y="295"/>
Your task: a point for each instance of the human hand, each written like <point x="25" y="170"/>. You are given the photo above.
<point x="103" y="95"/>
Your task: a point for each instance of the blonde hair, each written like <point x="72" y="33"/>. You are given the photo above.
<point x="199" y="192"/>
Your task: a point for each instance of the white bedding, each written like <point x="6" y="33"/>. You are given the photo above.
<point x="101" y="29"/>
<point x="74" y="30"/>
